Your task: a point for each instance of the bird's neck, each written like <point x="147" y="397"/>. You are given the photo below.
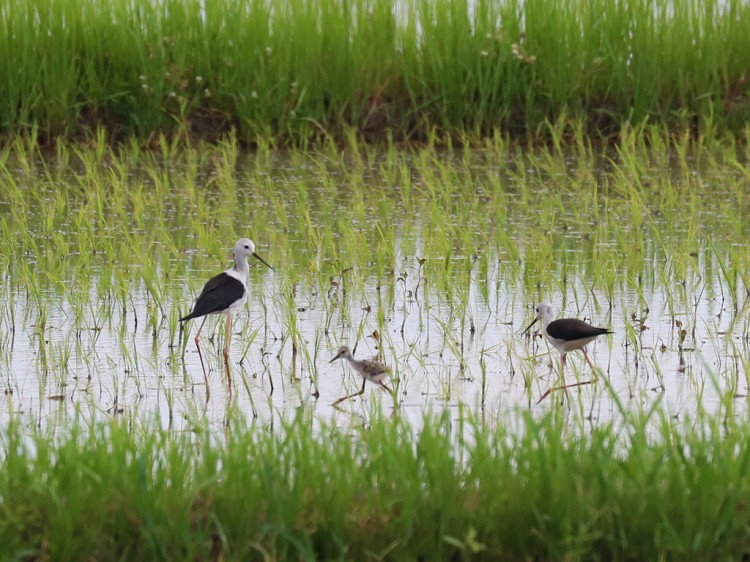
<point x="241" y="268"/>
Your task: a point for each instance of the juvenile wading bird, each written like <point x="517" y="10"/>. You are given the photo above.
<point x="370" y="369"/>
<point x="566" y="334"/>
<point x="223" y="294"/>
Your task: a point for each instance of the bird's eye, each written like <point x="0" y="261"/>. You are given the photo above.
<point x="247" y="247"/>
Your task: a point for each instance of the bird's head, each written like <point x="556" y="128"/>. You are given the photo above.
<point x="244" y="248"/>
<point x="544" y="312"/>
<point x="342" y="352"/>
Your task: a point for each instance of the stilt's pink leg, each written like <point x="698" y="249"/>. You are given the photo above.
<point x="575" y="384"/>
<point x="340" y="400"/>
<point x="200" y="355"/>
<point x="227" y="341"/>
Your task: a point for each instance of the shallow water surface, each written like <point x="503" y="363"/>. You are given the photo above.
<point x="93" y="334"/>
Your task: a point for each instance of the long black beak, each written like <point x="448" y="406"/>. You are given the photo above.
<point x="263" y="261"/>
<point x="530" y="325"/>
<point x="334" y="359"/>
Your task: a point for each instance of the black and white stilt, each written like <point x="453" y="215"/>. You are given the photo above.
<point x="566" y="335"/>
<point x="223" y="294"/>
<point x="370" y="370"/>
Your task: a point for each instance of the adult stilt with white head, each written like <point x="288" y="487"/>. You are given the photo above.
<point x="223" y="294"/>
<point x="566" y="335"/>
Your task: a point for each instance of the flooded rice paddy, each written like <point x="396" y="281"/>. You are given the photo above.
<point x="430" y="260"/>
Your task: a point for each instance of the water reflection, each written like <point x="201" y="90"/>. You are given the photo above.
<point x="103" y="340"/>
<point x="444" y="350"/>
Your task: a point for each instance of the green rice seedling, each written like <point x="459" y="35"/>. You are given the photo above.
<point x="483" y="369"/>
<point x="62" y="353"/>
<point x="481" y="235"/>
<point x="729" y="279"/>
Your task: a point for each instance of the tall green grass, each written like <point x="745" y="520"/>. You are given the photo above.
<point x="456" y="489"/>
<point x="301" y="71"/>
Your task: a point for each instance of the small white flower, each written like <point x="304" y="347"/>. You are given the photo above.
<point x="254" y="95"/>
<point x="198" y="79"/>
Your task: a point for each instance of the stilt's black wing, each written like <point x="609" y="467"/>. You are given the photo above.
<point x="570" y="329"/>
<point x="217" y="295"/>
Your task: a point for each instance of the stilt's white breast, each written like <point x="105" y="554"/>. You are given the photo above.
<point x="237" y="276"/>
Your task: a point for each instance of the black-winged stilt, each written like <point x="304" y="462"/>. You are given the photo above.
<point x="370" y="369"/>
<point x="223" y="294"/>
<point x="565" y="335"/>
